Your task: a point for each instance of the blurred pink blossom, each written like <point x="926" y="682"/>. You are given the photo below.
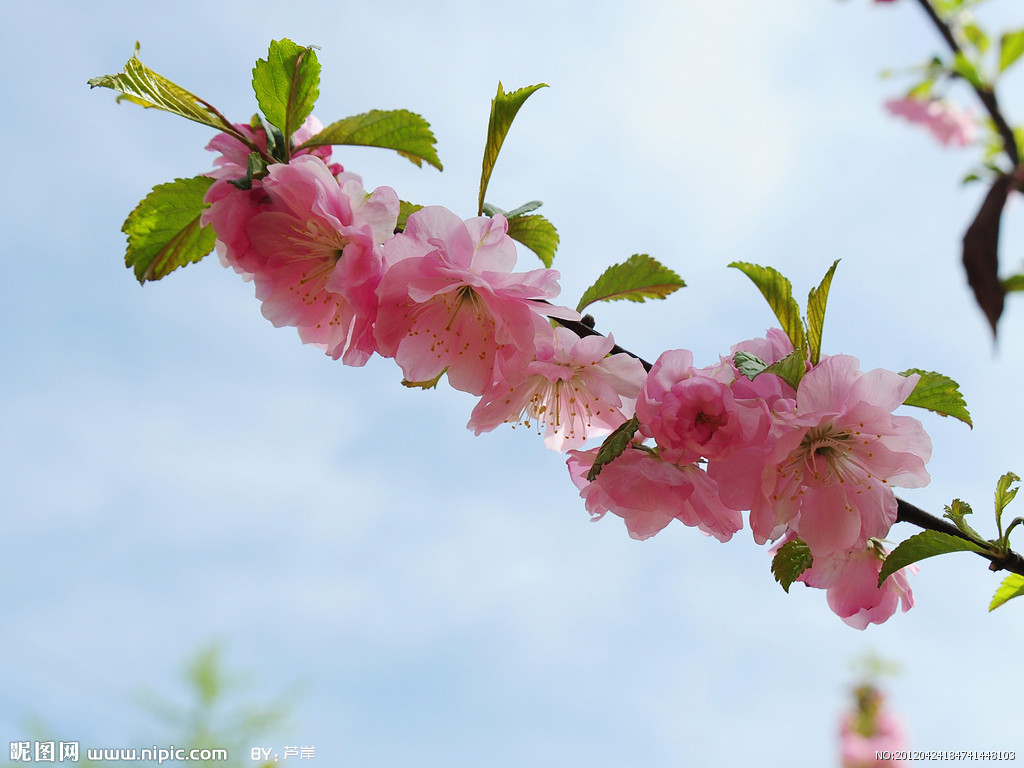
<point x="947" y="122"/>
<point x="869" y="729"/>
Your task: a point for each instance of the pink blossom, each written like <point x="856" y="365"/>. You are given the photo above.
<point x="851" y="581"/>
<point x="321" y="261"/>
<point x="872" y="728"/>
<point x="230" y="208"/>
<point x="830" y="471"/>
<point x="947" y="122"/>
<point x="449" y="300"/>
<point x="648" y="493"/>
<point x="692" y="413"/>
<point x="573" y="389"/>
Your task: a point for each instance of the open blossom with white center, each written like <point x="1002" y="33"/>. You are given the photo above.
<point x="829" y="475"/>
<point x="319" y="238"/>
<point x="572" y="390"/>
<point x="450" y="302"/>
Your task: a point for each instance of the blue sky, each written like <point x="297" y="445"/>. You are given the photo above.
<point x="175" y="470"/>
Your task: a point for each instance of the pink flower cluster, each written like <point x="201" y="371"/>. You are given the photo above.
<point x="818" y="464"/>
<point x="947" y="122"/>
<point x="439" y="297"/>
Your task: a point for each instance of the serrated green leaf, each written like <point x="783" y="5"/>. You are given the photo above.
<point x="536" y="233"/>
<point x="1014" y="283"/>
<point x="817" y="299"/>
<point x="791" y="368"/>
<point x="613" y="446"/>
<point x="939" y="394"/>
<point x="405" y="210"/>
<point x="793" y="558"/>
<point x="140" y="85"/>
<point x="778" y="292"/>
<point x="287" y="85"/>
<point x="957" y="512"/>
<point x="749" y="365"/>
<point x="921" y="546"/>
<point x="1004" y="495"/>
<point x="504" y="107"/>
<point x="1011" y="47"/>
<point x="1012" y="586"/>
<point x="638" y="278"/>
<point x="164" y="232"/>
<point x="405" y="132"/>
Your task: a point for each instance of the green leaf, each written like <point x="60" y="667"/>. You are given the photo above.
<point x="529" y="207"/>
<point x="957" y="512"/>
<point x="976" y="35"/>
<point x="405" y="210"/>
<point x="1012" y="586"/>
<point x="921" y="546"/>
<point x="749" y="365"/>
<point x="638" y="278"/>
<point x="778" y="291"/>
<point x="1004" y="495"/>
<point x="431" y="384"/>
<point x="967" y="70"/>
<point x="287" y="85"/>
<point x="536" y="233"/>
<point x="613" y="446"/>
<point x="256" y="168"/>
<point x="140" y="85"/>
<point x="791" y="368"/>
<point x="504" y="107"/>
<point x="1014" y="283"/>
<point x="1011" y="46"/>
<point x="939" y="394"/>
<point x="816" y="301"/>
<point x="405" y="132"/>
<point x="792" y="559"/>
<point x="164" y="231"/>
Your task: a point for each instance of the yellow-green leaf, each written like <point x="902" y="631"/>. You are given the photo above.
<point x="939" y="394"/>
<point x="536" y="233"/>
<point x="504" y="107"/>
<point x="405" y="132"/>
<point x="637" y="279"/>
<point x="164" y="231"/>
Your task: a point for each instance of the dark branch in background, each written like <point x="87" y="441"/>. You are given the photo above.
<point x="986" y="95"/>
<point x="981" y="241"/>
<point x="905" y="511"/>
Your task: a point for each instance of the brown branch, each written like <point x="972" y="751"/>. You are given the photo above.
<point x="908" y="513"/>
<point x="986" y="95"/>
